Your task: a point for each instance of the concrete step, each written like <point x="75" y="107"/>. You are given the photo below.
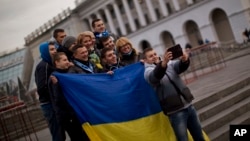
<point x="222" y="133"/>
<point x="222" y="118"/>
<point x="210" y="98"/>
<point x="223" y="103"/>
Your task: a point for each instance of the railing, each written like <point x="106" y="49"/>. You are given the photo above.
<point x="45" y="27"/>
<point x="204" y="59"/>
<point x="15" y="121"/>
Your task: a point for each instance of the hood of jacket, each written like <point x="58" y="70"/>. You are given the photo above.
<point x="44" y="51"/>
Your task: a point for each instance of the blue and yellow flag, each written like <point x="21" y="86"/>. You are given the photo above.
<point x="118" y="107"/>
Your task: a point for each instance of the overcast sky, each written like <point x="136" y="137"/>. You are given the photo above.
<point x="21" y="17"/>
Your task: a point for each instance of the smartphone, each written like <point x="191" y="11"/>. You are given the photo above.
<point x="176" y="51"/>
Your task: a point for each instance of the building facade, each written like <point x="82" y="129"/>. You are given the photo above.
<point x="163" y="23"/>
<point x="15" y="70"/>
<point x="155" y="23"/>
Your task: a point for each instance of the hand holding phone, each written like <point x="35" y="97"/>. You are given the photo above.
<point x="167" y="56"/>
<point x="176" y="51"/>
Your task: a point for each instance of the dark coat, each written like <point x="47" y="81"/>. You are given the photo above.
<point x="107" y="68"/>
<point x="61" y="106"/>
<point x="78" y="69"/>
<point x="65" y="114"/>
<point x="42" y="73"/>
<point x="131" y="58"/>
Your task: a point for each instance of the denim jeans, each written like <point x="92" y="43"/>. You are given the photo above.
<point x="186" y="119"/>
<point x="55" y="129"/>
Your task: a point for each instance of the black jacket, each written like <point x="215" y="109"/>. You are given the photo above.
<point x="78" y="69"/>
<point x="131" y="58"/>
<point x="42" y="73"/>
<point x="65" y="114"/>
<point x="61" y="106"/>
<point x="113" y="67"/>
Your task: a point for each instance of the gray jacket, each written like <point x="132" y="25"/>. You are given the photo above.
<point x="155" y="75"/>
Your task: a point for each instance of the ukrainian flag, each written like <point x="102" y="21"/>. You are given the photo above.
<point x="118" y="107"/>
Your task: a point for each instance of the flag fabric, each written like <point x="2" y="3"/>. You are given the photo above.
<point x="118" y="107"/>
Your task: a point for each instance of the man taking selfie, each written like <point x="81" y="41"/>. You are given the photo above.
<point x="174" y="96"/>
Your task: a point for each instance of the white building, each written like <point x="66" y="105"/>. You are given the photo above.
<point x="15" y="70"/>
<point x="155" y="23"/>
<point x="162" y="23"/>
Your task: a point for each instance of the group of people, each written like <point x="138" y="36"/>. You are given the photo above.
<point x="100" y="51"/>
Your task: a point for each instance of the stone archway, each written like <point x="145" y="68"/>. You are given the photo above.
<point x="222" y="26"/>
<point x="144" y="44"/>
<point x="193" y="33"/>
<point x="167" y="39"/>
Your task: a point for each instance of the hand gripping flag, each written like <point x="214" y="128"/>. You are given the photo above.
<point x="118" y="107"/>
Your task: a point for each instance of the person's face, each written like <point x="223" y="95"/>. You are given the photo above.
<point x="110" y="58"/>
<point x="52" y="50"/>
<point x="60" y="36"/>
<point x="126" y="48"/>
<point x="99" y="26"/>
<point x="62" y="63"/>
<point x="109" y="44"/>
<point x="81" y="54"/>
<point x="151" y="57"/>
<point x="87" y="42"/>
<point x="93" y="39"/>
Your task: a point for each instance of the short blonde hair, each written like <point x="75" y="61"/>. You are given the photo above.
<point x="121" y="42"/>
<point x="84" y="34"/>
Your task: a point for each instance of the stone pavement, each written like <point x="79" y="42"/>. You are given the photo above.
<point x="238" y="68"/>
<point x="42" y="135"/>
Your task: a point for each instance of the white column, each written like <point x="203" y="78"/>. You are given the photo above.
<point x="190" y="2"/>
<point x="109" y="19"/>
<point x="98" y="15"/>
<point x="119" y="19"/>
<point x="140" y="13"/>
<point x="151" y="10"/>
<point x="90" y="21"/>
<point x="129" y="15"/>
<point x="163" y="8"/>
<point x="176" y="5"/>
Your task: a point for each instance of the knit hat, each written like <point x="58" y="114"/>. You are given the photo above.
<point x="68" y="41"/>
